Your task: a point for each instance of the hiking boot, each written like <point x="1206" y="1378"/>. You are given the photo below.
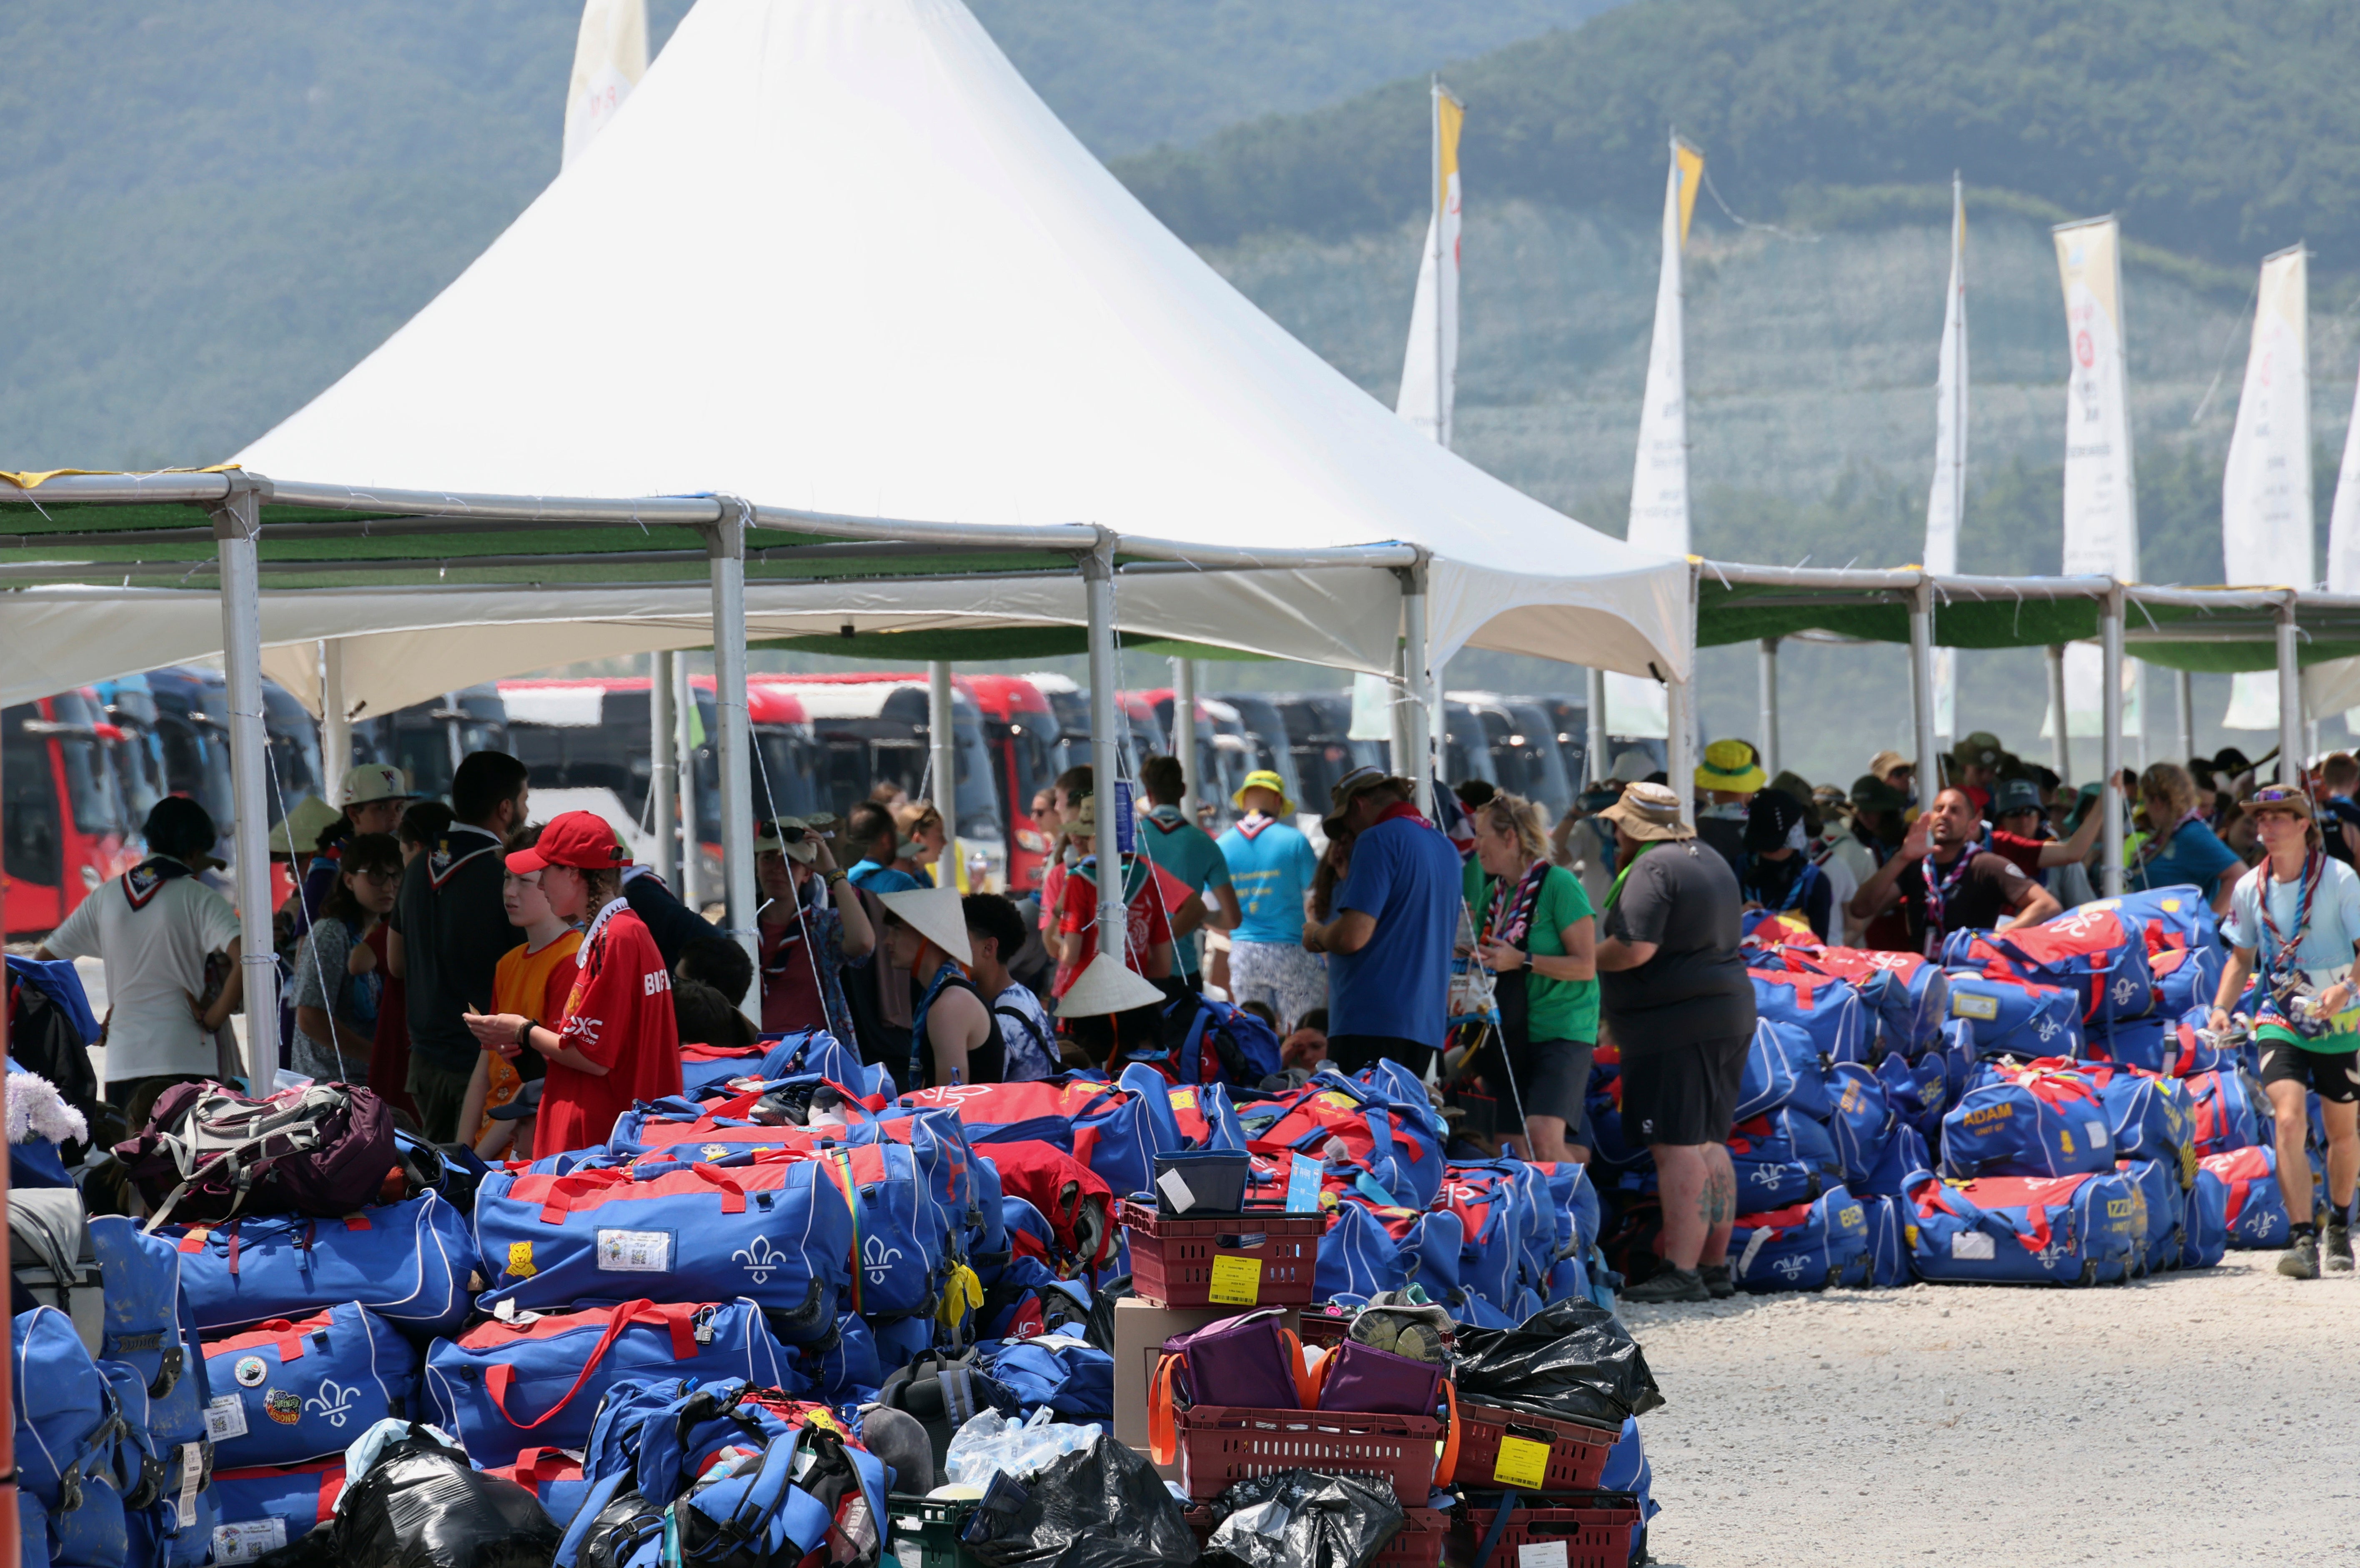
<point x="1717" y="1282"/>
<point x="2300" y="1260"/>
<point x="1669" y="1285"/>
<point x="2339" y="1247"/>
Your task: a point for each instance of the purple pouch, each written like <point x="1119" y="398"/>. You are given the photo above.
<point x="1363" y="1379"/>
<point x="1249" y="1360"/>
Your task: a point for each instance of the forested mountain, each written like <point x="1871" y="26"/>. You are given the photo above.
<point x="2223" y="128"/>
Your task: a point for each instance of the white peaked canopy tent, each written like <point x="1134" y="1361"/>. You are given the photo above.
<point x="834" y="273"/>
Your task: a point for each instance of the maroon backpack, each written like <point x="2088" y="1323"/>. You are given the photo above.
<point x="210" y="1153"/>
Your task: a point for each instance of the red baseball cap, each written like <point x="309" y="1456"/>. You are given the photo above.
<point x="584" y="839"/>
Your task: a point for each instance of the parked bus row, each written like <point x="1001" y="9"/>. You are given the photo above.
<point x="81" y="769"/>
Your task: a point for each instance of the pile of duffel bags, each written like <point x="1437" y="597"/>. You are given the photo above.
<point x="791" y="1228"/>
<point x="2042" y="1106"/>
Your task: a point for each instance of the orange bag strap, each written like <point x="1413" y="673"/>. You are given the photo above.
<point x="1446" y="1469"/>
<point x="1307" y="1384"/>
<point x="1316" y="1364"/>
<point x="1162" y="1443"/>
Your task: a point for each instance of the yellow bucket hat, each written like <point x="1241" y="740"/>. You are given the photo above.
<point x="1731" y="765"/>
<point x="1263" y="779"/>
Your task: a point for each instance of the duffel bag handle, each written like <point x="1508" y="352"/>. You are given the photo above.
<point x="500" y="1377"/>
<point x="1499" y="1528"/>
<point x="1446" y="1469"/>
<point x="529" y="1462"/>
<point x="1162" y="1443"/>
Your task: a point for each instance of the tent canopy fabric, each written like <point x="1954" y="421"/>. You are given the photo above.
<point x="835" y="255"/>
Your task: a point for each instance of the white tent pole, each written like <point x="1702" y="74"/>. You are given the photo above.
<point x="1596" y="741"/>
<point x="1769" y="681"/>
<point x="1183" y="731"/>
<point x="1097" y="587"/>
<point x="336" y="720"/>
<point x="1921" y="692"/>
<point x="2184" y="710"/>
<point x="663" y="797"/>
<point x="1399" y="756"/>
<point x="725" y="541"/>
<point x="1424" y="713"/>
<point x="2290" y="754"/>
<point x="1679" y="705"/>
<point x="683" y="759"/>
<point x="2109" y="753"/>
<point x="236" y="525"/>
<point x="943" y="760"/>
<point x="2060" y="744"/>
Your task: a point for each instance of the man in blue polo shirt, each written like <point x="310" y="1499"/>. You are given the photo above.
<point x="1397" y="918"/>
<point x="871" y="831"/>
<point x="1188" y="852"/>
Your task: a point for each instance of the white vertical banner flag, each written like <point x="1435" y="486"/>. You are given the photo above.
<point x="1946" y="507"/>
<point x="1659" y="480"/>
<point x="2101" y="494"/>
<point x="2265" y="490"/>
<point x="1430" y="361"/>
<point x="2343" y="566"/>
<point x="610" y="55"/>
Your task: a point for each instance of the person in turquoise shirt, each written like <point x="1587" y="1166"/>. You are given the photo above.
<point x="2180" y="849"/>
<point x="1189" y="854"/>
<point x="1270" y="865"/>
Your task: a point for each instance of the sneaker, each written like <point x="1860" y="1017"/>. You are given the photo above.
<point x="1717" y="1282"/>
<point x="2339" y="1248"/>
<point x="1669" y="1285"/>
<point x="2300" y="1260"/>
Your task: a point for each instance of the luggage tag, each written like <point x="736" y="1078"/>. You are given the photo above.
<point x="1303" y="1178"/>
<point x="192" y="1461"/>
<point x="225" y="1419"/>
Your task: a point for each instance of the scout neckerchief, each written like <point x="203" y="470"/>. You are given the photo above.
<point x="444" y="861"/>
<point x="2279" y="952"/>
<point x="144" y="880"/>
<point x="1250" y="826"/>
<point x="1615" y="892"/>
<point x="1940" y="887"/>
<point x="1509" y="920"/>
<point x="1165" y="819"/>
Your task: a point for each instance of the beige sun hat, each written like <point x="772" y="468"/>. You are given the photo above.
<point x="1649" y="811"/>
<point x="791" y="836"/>
<point x="935" y="914"/>
<point x="1108" y="986"/>
<point x="299" y="830"/>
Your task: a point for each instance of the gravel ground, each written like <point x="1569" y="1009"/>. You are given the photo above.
<point x="2203" y="1417"/>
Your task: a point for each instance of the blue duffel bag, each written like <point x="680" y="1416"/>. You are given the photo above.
<point x="1781" y="1159"/>
<point x="69" y="1425"/>
<point x="2144" y="1044"/>
<point x="816" y="1050"/>
<point x="1828" y="1009"/>
<point x="150" y="1326"/>
<point x="2178" y="916"/>
<point x="2094" y="953"/>
<point x="1358" y="1256"/>
<point x="2015" y="1017"/>
<point x="2156" y="1182"/>
<point x="1904" y="1152"/>
<point x="412" y="1263"/>
<point x="708" y="1069"/>
<point x="262" y="1510"/>
<point x="1889" y="1231"/>
<point x="535" y="1380"/>
<point x="154" y="1476"/>
<point x="2149" y="1116"/>
<point x="2023" y="1230"/>
<point x="2185" y="977"/>
<point x="844" y="1368"/>
<point x="1808" y="1246"/>
<point x="1916" y="1088"/>
<point x="2228" y="1110"/>
<point x="1862" y="1122"/>
<point x="2205" y="1220"/>
<point x="776" y="1229"/>
<point x="2253" y="1210"/>
<point x="1056" y="1372"/>
<point x="2027" y="1122"/>
<point x="1783" y="1068"/>
<point x="306" y="1390"/>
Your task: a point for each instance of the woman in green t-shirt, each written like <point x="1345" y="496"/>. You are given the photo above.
<point x="1536" y="933"/>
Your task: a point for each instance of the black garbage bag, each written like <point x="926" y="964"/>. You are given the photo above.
<point x="1301" y="1518"/>
<point x="1105" y="1490"/>
<point x="1573" y="1360"/>
<point x="1099" y="1330"/>
<point x="422" y="1506"/>
<point x="1100" y="1551"/>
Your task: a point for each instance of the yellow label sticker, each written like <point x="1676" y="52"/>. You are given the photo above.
<point x="1966" y="1005"/>
<point x="520" y="1260"/>
<point x="1237" y="1281"/>
<point x="1523" y="1463"/>
<point x="1183" y="1099"/>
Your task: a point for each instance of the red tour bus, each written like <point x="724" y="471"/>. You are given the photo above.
<point x="64" y="829"/>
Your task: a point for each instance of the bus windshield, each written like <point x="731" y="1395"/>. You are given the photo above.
<point x="90" y="783"/>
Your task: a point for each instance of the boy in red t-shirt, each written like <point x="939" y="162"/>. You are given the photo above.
<point x="617" y="1041"/>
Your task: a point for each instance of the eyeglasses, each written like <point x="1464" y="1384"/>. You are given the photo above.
<point x="379" y="877"/>
<point x="785" y="832"/>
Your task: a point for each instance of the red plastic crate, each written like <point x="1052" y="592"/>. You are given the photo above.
<point x="1322" y="1328"/>
<point x="1577" y="1453"/>
<point x="1425" y="1534"/>
<point x="1223" y="1444"/>
<point x="1595" y="1531"/>
<point x="1172" y="1258"/>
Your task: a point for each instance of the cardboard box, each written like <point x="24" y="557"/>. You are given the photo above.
<point x="1140" y="1330"/>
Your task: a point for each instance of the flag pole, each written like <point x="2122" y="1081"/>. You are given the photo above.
<point x="1441" y="199"/>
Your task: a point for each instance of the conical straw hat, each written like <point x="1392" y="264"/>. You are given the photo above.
<point x="1108" y="986"/>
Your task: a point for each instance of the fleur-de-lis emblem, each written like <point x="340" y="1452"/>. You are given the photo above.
<point x="333" y="1400"/>
<point x="876" y="1257"/>
<point x="1791" y="1267"/>
<point x="761" y="1260"/>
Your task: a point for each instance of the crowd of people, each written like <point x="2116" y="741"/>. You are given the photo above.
<point x="517" y="985"/>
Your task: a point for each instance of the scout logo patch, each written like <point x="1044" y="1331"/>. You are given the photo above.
<point x="249" y="1371"/>
<point x="283" y="1406"/>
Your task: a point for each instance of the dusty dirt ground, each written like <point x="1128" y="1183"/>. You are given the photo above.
<point x="2196" y="1418"/>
